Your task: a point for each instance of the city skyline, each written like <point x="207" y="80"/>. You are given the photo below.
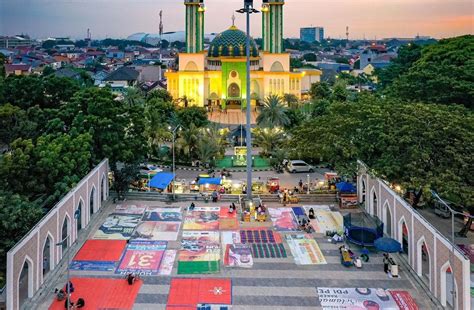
<point x="106" y="18"/>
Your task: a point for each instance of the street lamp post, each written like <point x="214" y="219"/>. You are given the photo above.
<point x="173" y="165"/>
<point x="248" y="9"/>
<point x="451" y="263"/>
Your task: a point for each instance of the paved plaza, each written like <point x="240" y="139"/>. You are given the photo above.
<point x="271" y="283"/>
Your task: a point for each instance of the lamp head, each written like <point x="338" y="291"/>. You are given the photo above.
<point x="248" y="3"/>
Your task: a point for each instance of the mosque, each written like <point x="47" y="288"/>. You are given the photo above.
<point x="217" y="76"/>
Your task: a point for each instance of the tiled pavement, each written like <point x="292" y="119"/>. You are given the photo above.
<point x="276" y="283"/>
<point x="231" y="117"/>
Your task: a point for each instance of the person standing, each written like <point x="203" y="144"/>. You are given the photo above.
<point x="300" y="183"/>
<point x="385" y="262"/>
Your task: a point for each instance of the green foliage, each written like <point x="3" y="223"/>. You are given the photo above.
<point x="14" y="123"/>
<point x="273" y="113"/>
<point x="268" y="139"/>
<point x="23" y="91"/>
<point x="291" y="100"/>
<point x="192" y="115"/>
<point x="320" y="90"/>
<point x="443" y="74"/>
<point x="310" y="57"/>
<point x="49" y="44"/>
<point x="17" y="216"/>
<point x="410" y="144"/>
<point x="58" y="90"/>
<point x="162" y="94"/>
<point x="339" y="91"/>
<point x="48" y="71"/>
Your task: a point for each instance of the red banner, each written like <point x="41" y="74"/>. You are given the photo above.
<point x="404" y="300"/>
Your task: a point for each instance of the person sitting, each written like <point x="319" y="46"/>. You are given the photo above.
<point x="68" y="304"/>
<point x="336" y="238"/>
<point x="80" y="303"/>
<point x="60" y="295"/>
<point x="192" y="206"/>
<point x="311" y="213"/>
<point x="231" y="208"/>
<point x="131" y="278"/>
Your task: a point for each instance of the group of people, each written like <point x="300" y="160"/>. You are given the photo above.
<point x="232" y="208"/>
<point x="66" y="294"/>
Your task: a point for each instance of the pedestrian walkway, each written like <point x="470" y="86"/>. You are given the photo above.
<point x="232" y="117"/>
<point x="271" y="283"/>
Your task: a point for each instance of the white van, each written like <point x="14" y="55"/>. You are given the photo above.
<point x="299" y="166"/>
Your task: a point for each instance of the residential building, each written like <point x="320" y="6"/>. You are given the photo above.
<point x="17" y="69"/>
<point x="123" y="77"/>
<point x="312" y="34"/>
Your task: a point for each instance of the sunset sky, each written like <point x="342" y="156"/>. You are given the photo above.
<point x="120" y="18"/>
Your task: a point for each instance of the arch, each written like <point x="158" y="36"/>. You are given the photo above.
<point x="255" y="88"/>
<point x="103" y="188"/>
<point x="277" y="67"/>
<point x="423" y="261"/>
<point x="446" y="281"/>
<point x="374" y="203"/>
<point x="387" y="219"/>
<point x="363" y="190"/>
<point x="233" y="91"/>
<point x="25" y="281"/>
<point x="92" y="201"/>
<point x="65" y="234"/>
<point x="79" y="216"/>
<point x="47" y="258"/>
<point x="404" y="237"/>
<point x="191" y="66"/>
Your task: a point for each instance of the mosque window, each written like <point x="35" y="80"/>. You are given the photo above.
<point x="233" y="74"/>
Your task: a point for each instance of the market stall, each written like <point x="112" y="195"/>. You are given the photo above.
<point x="207" y="185"/>
<point x="273" y="185"/>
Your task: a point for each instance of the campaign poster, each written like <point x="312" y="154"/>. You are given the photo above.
<point x="167" y="231"/>
<point x="142" y="258"/>
<point x="201" y="220"/>
<point x="404" y="300"/>
<point x="305" y="250"/>
<point x="200" y="252"/>
<point x="130" y="209"/>
<point x="238" y="255"/>
<point x="356" y="298"/>
<point x="163" y="214"/>
<point x="167" y="262"/>
<point x="118" y="227"/>
<point x="283" y="219"/>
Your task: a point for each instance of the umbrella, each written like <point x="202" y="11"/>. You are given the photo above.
<point x="388" y="245"/>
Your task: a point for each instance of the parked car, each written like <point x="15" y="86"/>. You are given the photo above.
<point x="299" y="166"/>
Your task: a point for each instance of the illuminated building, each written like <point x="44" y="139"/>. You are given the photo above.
<point x="217" y="76"/>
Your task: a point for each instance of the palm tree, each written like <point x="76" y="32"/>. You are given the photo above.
<point x="206" y="150"/>
<point x="273" y="113"/>
<point x="188" y="140"/>
<point x="217" y="137"/>
<point x="134" y="96"/>
<point x="291" y="101"/>
<point x="268" y="139"/>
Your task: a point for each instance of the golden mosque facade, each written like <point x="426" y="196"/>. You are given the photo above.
<point x="217" y="76"/>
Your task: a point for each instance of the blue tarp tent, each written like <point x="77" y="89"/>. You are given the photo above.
<point x="345" y="187"/>
<point x="161" y="180"/>
<point x="213" y="181"/>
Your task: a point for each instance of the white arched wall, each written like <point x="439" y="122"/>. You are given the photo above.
<point x="69" y="233"/>
<point x="84" y="220"/>
<point x="93" y="190"/>
<point x="443" y="295"/>
<point x="103" y="187"/>
<point x="31" y="282"/>
<point x="400" y="236"/>
<point x="372" y="206"/>
<point x="52" y="245"/>
<point x="419" y="259"/>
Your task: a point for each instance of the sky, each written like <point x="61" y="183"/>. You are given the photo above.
<point x="371" y="19"/>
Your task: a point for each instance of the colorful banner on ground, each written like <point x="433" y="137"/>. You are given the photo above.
<point x="305" y="249"/>
<point x="227" y="221"/>
<point x="364" y="298"/>
<point x="167" y="231"/>
<point x="202" y="218"/>
<point x="268" y="250"/>
<point x="142" y="258"/>
<point x="92" y="265"/>
<point x="130" y="209"/>
<point x="191" y="293"/>
<point x="118" y="226"/>
<point x="238" y="255"/>
<point x="167" y="263"/>
<point x="163" y="214"/>
<point x="200" y="252"/>
<point x="230" y="237"/>
<point x="327" y="221"/>
<point x="283" y="219"/>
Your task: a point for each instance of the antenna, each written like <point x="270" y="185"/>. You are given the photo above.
<point x="161" y="28"/>
<point x="88" y="37"/>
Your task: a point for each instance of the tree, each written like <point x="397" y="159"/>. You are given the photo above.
<point x="443" y="74"/>
<point x="14" y="124"/>
<point x="17" y="217"/>
<point x="269" y="139"/>
<point x="134" y="96"/>
<point x="339" y="91"/>
<point x="310" y="57"/>
<point x="58" y="90"/>
<point x="188" y="141"/>
<point x="2" y="65"/>
<point x="291" y="100"/>
<point x="192" y="115"/>
<point x="273" y="113"/>
<point x="48" y="71"/>
<point x="162" y="94"/>
<point x="123" y="176"/>
<point x="24" y="91"/>
<point x="320" y="90"/>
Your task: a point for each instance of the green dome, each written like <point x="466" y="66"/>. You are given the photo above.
<point x="231" y="42"/>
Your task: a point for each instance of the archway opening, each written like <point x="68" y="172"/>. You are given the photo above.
<point x="91" y="201"/>
<point x="25" y="283"/>
<point x="425" y="263"/>
<point x="78" y="216"/>
<point x="47" y="255"/>
<point x="233" y="91"/>
<point x="103" y="188"/>
<point x="448" y="287"/>
<point x="388" y="221"/>
<point x="374" y="204"/>
<point x="65" y="239"/>
<point x="405" y="236"/>
<point x="363" y="192"/>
